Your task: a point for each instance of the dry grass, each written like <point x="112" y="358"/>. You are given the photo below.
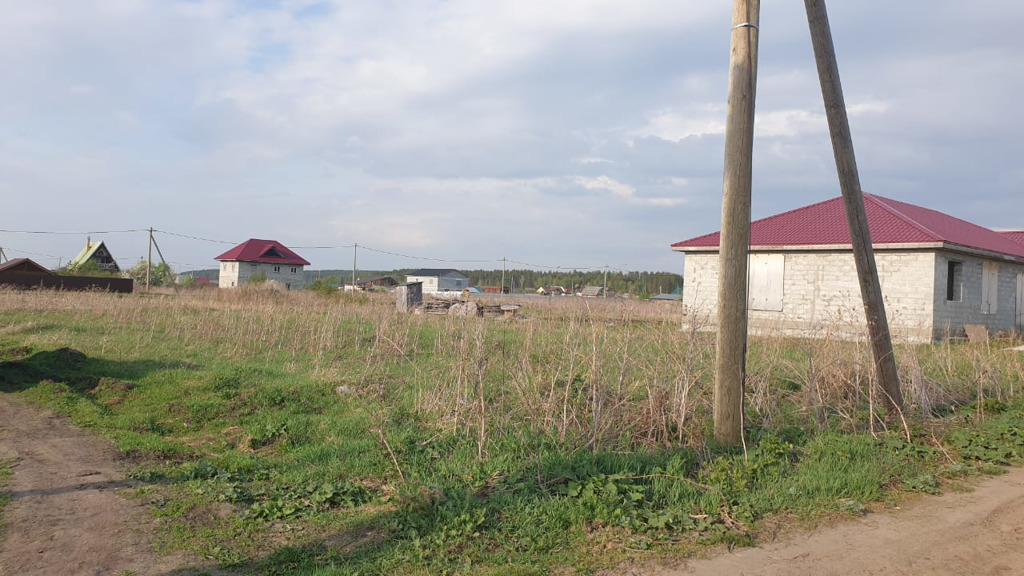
<point x="590" y="374"/>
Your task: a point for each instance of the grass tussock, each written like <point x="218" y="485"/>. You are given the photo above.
<point x="282" y="433"/>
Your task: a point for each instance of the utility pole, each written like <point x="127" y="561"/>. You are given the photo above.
<point x="167" y="267"/>
<point x="604" y="289"/>
<point x="731" y="345"/>
<point x="354" y="248"/>
<point x="501" y="291"/>
<point x="853" y="199"/>
<point x="149" y="258"/>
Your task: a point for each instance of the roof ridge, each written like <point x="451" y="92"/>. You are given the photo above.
<point x="883" y="203"/>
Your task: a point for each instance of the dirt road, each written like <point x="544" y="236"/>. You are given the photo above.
<point x="66" y="515"/>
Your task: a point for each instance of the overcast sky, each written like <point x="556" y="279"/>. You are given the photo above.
<point x="568" y="133"/>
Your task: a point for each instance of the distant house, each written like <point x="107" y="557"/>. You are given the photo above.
<point x="97" y="254"/>
<point x="439" y="280"/>
<point x="937" y="272"/>
<point x="495" y="289"/>
<point x="551" y="291"/>
<point x="25" y="273"/>
<point x="595" y="292"/>
<point x="281" y="265"/>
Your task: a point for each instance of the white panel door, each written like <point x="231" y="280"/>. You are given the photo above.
<point x="766" y="273"/>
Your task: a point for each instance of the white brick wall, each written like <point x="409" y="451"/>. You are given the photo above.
<point x="821" y="293"/>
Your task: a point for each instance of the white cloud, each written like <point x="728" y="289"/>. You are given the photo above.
<point x="624" y="191"/>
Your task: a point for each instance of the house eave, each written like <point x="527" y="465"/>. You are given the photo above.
<point x="906" y="246"/>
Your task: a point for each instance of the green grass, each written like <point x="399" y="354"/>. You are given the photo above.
<point x="286" y="434"/>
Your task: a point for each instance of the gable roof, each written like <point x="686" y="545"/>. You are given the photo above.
<point x="263" y="251"/>
<point x="24" y="266"/>
<point x="890" y="222"/>
<point x="97" y="251"/>
<point x="431" y="272"/>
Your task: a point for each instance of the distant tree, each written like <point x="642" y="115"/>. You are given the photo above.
<point x="160" y="274"/>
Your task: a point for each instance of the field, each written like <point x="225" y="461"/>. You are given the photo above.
<point x="291" y="433"/>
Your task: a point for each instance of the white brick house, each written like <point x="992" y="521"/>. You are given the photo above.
<point x="281" y="265"/>
<point x="937" y="272"/>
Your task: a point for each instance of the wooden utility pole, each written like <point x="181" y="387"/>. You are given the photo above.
<point x="730" y="361"/>
<point x="355" y="247"/>
<point x="853" y="199"/>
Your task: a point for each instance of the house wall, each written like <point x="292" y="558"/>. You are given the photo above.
<point x="820" y="293"/>
<point x="453" y="282"/>
<point x="966" y="306"/>
<point x="234" y="274"/>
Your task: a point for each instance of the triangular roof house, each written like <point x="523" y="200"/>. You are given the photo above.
<point x="97" y="253"/>
<point x="937" y="272"/>
<point x="267" y="258"/>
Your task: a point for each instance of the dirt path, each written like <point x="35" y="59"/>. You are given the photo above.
<point x="975" y="533"/>
<point x="66" y="516"/>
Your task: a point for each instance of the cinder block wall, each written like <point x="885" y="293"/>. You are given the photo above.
<point x="951" y="315"/>
<point x="821" y="293"/>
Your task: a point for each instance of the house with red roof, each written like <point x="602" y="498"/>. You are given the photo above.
<point x="281" y="265"/>
<point x="937" y="272"/>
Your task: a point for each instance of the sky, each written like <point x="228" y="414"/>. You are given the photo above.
<point x="553" y="134"/>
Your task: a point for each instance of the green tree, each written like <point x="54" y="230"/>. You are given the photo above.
<point x="160" y="274"/>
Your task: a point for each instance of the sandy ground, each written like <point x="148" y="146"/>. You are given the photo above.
<point x="67" y="517"/>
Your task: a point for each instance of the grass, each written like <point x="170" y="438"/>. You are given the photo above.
<point x="286" y="433"/>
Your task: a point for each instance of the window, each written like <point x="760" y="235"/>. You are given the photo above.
<point x="764" y="288"/>
<point x="954" y="281"/>
<point x="277" y="268"/>
<point x="989" y="287"/>
<point x="293" y="270"/>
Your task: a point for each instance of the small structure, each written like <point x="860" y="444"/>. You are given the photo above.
<point x="495" y="289"/>
<point x="439" y="280"/>
<point x="595" y="292"/>
<point x="275" y="260"/>
<point x="95" y="254"/>
<point x="409" y="296"/>
<point x="938" y="273"/>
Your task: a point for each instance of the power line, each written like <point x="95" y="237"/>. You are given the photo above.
<point x="70" y="233"/>
<point x="428" y="259"/>
<point x="193" y="237"/>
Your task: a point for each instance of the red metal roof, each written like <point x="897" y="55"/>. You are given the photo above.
<point x="890" y="222"/>
<point x="265" y="251"/>
<point x="1015" y="235"/>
